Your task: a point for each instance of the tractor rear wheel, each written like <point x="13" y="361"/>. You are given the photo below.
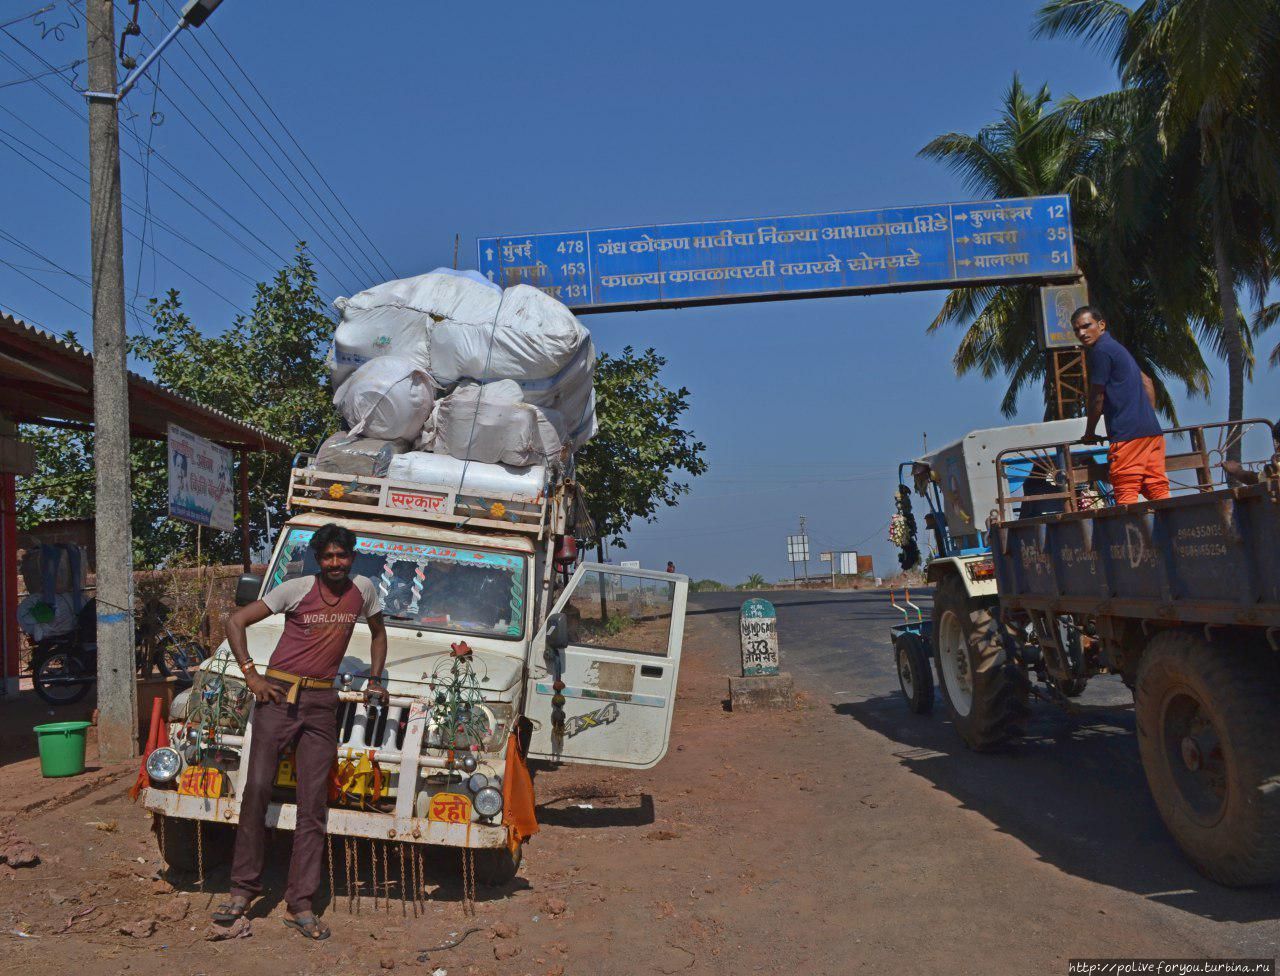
<point x="985" y="692"/>
<point x="1207" y="716"/>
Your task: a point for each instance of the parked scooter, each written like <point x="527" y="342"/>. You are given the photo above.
<point x="65" y="667"/>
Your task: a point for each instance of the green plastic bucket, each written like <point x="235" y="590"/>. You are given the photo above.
<point x="61" y="747"/>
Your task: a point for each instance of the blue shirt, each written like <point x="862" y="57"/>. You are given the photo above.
<point x="1127" y="410"/>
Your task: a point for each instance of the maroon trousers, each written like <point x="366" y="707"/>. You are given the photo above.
<point x="312" y="725"/>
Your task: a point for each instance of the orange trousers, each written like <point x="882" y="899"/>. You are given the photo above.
<point x="1137" y="467"/>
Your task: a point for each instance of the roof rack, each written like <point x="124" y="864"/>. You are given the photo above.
<point x="360" y="495"/>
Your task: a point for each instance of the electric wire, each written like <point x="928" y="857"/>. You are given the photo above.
<point x="241" y="177"/>
<point x="208" y="29"/>
<point x="364" y="265"/>
<point x="13" y="313"/>
<point x="133" y="207"/>
<point x="40" y="284"/>
<point x="320" y="236"/>
<point x="194" y="277"/>
<point x="42" y="74"/>
<point x="315" y="193"/>
<point x="127" y="197"/>
<point x="82" y="116"/>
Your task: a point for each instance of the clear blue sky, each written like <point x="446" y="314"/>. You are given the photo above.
<point x="435" y="119"/>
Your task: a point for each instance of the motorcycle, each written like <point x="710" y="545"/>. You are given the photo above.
<point x="64" y="667"/>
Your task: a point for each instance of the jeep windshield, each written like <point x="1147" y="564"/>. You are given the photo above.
<point x="426" y="586"/>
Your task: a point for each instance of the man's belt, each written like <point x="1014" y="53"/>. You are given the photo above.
<point x="297" y="681"/>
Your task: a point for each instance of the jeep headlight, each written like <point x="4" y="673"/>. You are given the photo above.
<point x="164" y="765"/>
<point x="488" y="802"/>
<point x="499" y="725"/>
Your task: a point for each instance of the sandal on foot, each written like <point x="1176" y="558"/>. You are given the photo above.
<point x="229" y="911"/>
<point x="310" y="926"/>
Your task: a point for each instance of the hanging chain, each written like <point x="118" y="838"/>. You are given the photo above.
<point x="200" y="853"/>
<point x="404" y="888"/>
<point x="468" y="882"/>
<point x="418" y="878"/>
<point x="386" y="879"/>
<point x="333" y="894"/>
<point x="355" y="869"/>
<point x="346" y="857"/>
<point x="373" y="871"/>
<point x="161" y="821"/>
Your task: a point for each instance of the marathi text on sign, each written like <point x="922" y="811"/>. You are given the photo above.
<point x="758" y="631"/>
<point x="776" y="257"/>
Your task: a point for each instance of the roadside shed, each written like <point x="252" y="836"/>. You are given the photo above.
<point x="48" y="381"/>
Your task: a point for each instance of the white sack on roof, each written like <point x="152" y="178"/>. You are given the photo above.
<point x="468" y="478"/>
<point x="534" y="337"/>
<point x="396" y="317"/>
<point x="571" y="394"/>
<point x="488" y="422"/>
<point x="388" y="398"/>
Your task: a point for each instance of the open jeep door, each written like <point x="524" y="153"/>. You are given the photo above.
<point x="621" y="631"/>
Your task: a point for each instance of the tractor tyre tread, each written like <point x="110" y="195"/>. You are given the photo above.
<point x="1240" y="688"/>
<point x="999" y="711"/>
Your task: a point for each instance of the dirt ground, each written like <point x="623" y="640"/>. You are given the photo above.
<point x="776" y="842"/>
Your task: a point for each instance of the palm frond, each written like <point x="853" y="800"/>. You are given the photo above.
<point x="1102" y="24"/>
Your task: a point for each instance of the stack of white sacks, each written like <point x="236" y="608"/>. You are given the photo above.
<point x="447" y="370"/>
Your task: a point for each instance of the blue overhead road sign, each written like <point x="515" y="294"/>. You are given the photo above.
<point x="763" y="259"/>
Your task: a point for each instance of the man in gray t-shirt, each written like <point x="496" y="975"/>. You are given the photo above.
<point x="298" y="705"/>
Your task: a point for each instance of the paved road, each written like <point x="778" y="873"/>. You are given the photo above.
<point x="1072" y="791"/>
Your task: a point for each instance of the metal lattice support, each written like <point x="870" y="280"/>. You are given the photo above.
<point x="1070" y="378"/>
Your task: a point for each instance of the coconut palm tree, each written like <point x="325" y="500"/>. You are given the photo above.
<point x="1032" y="150"/>
<point x="1207" y="73"/>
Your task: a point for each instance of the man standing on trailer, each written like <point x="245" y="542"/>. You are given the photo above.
<point x="297" y="705"/>
<point x="1125" y="396"/>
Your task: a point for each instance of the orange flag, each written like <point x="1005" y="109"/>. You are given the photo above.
<point x="153" y="743"/>
<point x="517" y="796"/>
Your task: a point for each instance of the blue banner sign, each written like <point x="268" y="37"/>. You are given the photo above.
<point x="717" y="262"/>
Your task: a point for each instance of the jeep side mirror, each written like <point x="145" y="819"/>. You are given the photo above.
<point x="557" y="631"/>
<point x="248" y="586"/>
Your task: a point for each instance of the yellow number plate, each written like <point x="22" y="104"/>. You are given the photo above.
<point x="286" y="775"/>
<point x="450" y="808"/>
<point x="201" y="781"/>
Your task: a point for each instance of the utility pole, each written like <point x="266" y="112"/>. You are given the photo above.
<point x="113" y="503"/>
<point x="117" y="693"/>
<point x="804" y="544"/>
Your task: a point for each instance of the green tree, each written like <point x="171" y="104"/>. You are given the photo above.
<point x="268" y="370"/>
<point x="631" y="467"/>
<point x="1206" y="73"/>
<point x="754" y="582"/>
<point x="1032" y="150"/>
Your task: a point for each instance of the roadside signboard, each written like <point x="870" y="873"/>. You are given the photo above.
<point x="848" y="564"/>
<point x="199" y="481"/>
<point x="797" y="548"/>
<point x="758" y="631"/>
<point x="1057" y="302"/>
<point x="807" y="256"/>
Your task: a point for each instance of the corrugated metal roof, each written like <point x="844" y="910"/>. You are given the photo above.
<point x="46" y="377"/>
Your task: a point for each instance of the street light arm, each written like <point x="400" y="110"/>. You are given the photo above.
<point x="195" y="13"/>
